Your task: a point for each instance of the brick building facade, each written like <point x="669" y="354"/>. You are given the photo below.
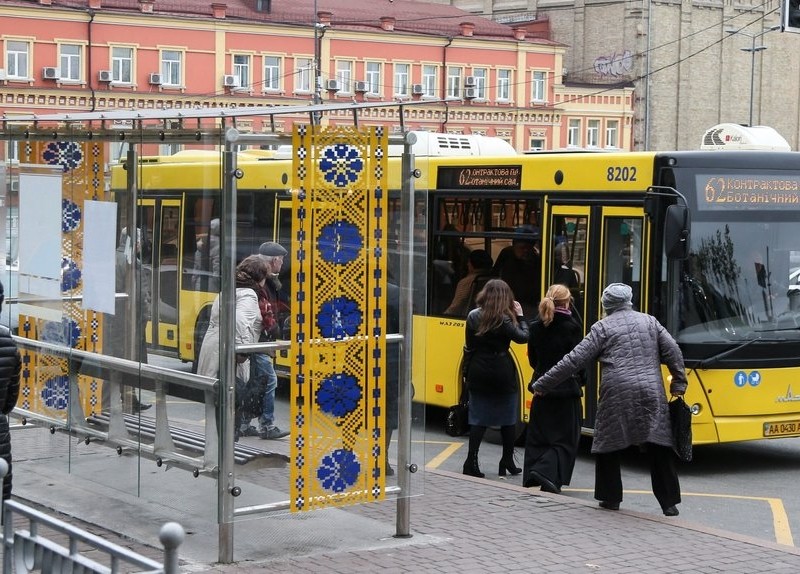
<point x="493" y="78"/>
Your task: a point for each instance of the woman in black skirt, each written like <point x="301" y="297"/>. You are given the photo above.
<point x="554" y="425"/>
<point x="490" y="371"/>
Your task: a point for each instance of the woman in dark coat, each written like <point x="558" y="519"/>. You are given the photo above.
<point x="10" y="364"/>
<point x="632" y="406"/>
<point x="491" y="373"/>
<point x="554" y="425"/>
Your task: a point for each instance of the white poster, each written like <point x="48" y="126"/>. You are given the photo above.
<point x="40" y="234"/>
<point x="99" y="252"/>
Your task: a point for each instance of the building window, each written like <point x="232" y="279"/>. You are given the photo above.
<point x="169" y="149"/>
<point x="536" y="144"/>
<point x="593" y="133"/>
<point x="344" y="75"/>
<point x="17" y="60"/>
<point x="480" y="75"/>
<point x="402" y="75"/>
<point x="303" y="68"/>
<point x="373" y="77"/>
<point x="612" y="133"/>
<point x="454" y="74"/>
<point x="70" y="62"/>
<point x="171" y="68"/>
<point x="504" y="85"/>
<point x="574" y="133"/>
<point x="538" y="87"/>
<point x="122" y="65"/>
<point x="272" y="73"/>
<point x="429" y="74"/>
<point x="241" y="69"/>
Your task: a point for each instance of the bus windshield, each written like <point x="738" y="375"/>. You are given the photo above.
<point x="742" y="278"/>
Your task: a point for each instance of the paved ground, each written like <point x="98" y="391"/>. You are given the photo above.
<point x="459" y="524"/>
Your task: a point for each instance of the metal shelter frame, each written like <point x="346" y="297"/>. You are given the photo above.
<point x="156" y="126"/>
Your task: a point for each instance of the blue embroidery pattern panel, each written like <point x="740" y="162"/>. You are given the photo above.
<point x="339" y="252"/>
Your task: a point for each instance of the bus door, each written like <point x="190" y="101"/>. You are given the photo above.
<point x="590" y="247"/>
<point x="162" y="330"/>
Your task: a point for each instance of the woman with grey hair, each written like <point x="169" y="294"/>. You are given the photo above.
<point x="632" y="406"/>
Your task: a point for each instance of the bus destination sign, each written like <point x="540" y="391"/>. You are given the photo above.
<point x="480" y="177"/>
<point x="725" y="192"/>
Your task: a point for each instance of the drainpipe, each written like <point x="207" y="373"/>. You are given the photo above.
<point x="444" y="84"/>
<point x="89" y="60"/>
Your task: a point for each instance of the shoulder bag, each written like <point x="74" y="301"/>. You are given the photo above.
<point x="681" y="418"/>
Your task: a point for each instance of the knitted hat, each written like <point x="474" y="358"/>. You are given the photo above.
<point x="272" y="249"/>
<point x="617" y="296"/>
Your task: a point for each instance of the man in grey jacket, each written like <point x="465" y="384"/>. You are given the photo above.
<point x="632" y="407"/>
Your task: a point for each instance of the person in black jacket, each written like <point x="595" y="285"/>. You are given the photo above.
<point x="554" y="425"/>
<point x="491" y="373"/>
<point x="10" y="363"/>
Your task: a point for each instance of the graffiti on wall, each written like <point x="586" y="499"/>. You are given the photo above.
<point x="615" y="65"/>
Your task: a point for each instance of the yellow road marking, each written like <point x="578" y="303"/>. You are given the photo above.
<point x="444" y="455"/>
<point x="780" y="520"/>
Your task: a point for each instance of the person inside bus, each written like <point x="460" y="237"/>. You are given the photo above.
<point x="263" y="364"/>
<point x="479" y="271"/>
<point x="632" y="409"/>
<point x="251" y="316"/>
<point x="554" y="425"/>
<point x="519" y="265"/>
<point x="206" y="260"/>
<point x="491" y="373"/>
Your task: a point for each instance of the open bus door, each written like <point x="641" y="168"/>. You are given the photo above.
<point x="592" y="246"/>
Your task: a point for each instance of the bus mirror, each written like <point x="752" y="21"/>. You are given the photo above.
<point x="676" y="232"/>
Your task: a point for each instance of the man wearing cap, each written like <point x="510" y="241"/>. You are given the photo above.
<point x="519" y="265"/>
<point x="263" y="364"/>
<point x="632" y="408"/>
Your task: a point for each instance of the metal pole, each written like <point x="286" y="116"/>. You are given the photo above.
<point x="404" y="466"/>
<point x="227" y="361"/>
<point x="752" y="76"/>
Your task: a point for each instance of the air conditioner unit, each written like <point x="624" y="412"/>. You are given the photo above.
<point x="49" y="73"/>
<point x="417" y="90"/>
<point x="230" y="81"/>
<point x="332" y="85"/>
<point x="470" y="93"/>
<point x="104" y="76"/>
<point x="360" y="87"/>
<point x="155" y="79"/>
<point x="2" y="74"/>
<point x="469" y="81"/>
<point x="15" y="185"/>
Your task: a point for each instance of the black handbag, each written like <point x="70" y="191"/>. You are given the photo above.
<point x="681" y="417"/>
<point x="457" y="422"/>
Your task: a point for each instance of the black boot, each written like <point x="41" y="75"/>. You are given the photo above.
<point x="471" y="467"/>
<point x="507" y="462"/>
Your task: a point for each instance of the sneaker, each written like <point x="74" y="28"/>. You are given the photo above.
<point x="249" y="431"/>
<point x="272" y="433"/>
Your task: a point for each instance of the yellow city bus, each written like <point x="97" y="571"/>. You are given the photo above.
<point x="707" y="240"/>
